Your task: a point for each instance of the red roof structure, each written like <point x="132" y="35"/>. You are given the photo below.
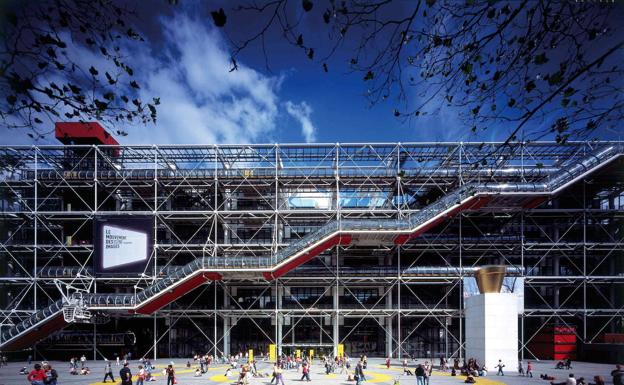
<point x="83" y="133"/>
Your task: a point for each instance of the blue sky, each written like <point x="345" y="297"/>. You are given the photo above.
<point x="185" y="62"/>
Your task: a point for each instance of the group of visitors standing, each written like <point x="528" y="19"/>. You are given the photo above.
<point x="43" y="375"/>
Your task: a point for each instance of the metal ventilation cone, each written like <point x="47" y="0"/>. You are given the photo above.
<point x="490" y="278"/>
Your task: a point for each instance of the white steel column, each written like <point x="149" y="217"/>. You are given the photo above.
<point x="335" y="320"/>
<point x="399" y="313"/>
<point x="214" y="336"/>
<point x="155" y="338"/>
<point x="278" y="317"/>
<point x="388" y="323"/>
<point x="226" y="322"/>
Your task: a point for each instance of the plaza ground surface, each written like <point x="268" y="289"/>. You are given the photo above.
<point x="376" y="373"/>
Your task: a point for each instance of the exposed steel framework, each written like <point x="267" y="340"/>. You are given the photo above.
<point x="311" y="245"/>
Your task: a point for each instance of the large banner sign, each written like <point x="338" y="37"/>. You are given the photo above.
<point x="123" y="244"/>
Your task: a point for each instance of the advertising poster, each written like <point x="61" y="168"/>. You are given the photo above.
<point x="123" y="245"/>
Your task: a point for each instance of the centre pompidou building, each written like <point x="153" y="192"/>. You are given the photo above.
<point x="170" y="250"/>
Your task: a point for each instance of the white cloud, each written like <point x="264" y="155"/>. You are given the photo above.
<point x="201" y="101"/>
<point x="301" y="112"/>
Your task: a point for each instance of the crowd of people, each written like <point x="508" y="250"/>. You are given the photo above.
<point x="43" y="373"/>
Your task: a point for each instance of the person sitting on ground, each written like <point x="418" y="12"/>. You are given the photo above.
<point x="453" y="372"/>
<point x="559" y="365"/>
<point x="470" y="380"/>
<point x="581" y="381"/>
<point x="84" y="371"/>
<point x="568" y="364"/>
<point x="23" y="371"/>
<point x="148" y="373"/>
<point x="244" y="374"/>
<point x="598" y="380"/>
<point x="188" y="364"/>
<point x="570" y="381"/>
<point x="483" y="371"/>
<point x="547" y="377"/>
<point x="197" y="373"/>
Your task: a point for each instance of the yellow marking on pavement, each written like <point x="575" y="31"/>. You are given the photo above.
<point x="157" y="374"/>
<point x="376" y="377"/>
<point x="222" y="378"/>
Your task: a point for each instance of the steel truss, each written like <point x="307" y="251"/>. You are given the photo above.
<point x="249" y="200"/>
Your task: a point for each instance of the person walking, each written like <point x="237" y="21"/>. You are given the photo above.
<point x="420" y="375"/>
<point x="443" y="364"/>
<point x="428" y="371"/>
<point x="279" y="376"/>
<point x="388" y="363"/>
<point x="362" y="367"/>
<point x="618" y="375"/>
<point x="170" y="375"/>
<point x="520" y="368"/>
<point x="359" y="373"/>
<point x="36" y="376"/>
<point x="305" y="369"/>
<point x="500" y="367"/>
<point x="141" y="375"/>
<point x="529" y="371"/>
<point x="343" y="367"/>
<point x="125" y="374"/>
<point x="29" y="359"/>
<point x="83" y="361"/>
<point x="108" y="372"/>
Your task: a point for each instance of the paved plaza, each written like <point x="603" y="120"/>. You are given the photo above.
<point x="376" y="373"/>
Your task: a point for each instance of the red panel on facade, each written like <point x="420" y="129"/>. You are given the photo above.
<point x="83" y="133"/>
<point x="555" y="343"/>
<point x="565" y="339"/>
<point x="173" y="294"/>
<point x="614" y="338"/>
<point x="401" y="239"/>
<point x="54" y="324"/>
<point x="565" y="349"/>
<point x="303" y="258"/>
<point x="533" y="203"/>
<point x="213" y="276"/>
<point x="479" y="203"/>
<point x="564" y="356"/>
<point x="564" y="330"/>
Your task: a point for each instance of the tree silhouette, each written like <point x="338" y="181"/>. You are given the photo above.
<point x="68" y="60"/>
<point x="536" y="67"/>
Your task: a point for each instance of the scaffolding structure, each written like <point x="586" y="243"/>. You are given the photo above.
<point x="366" y="245"/>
